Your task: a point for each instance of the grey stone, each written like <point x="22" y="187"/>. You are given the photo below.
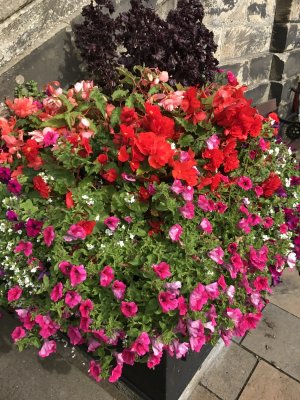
<point x="201" y="393"/>
<point x="277" y="340"/>
<point x="241" y="70"/>
<point x="9" y="8"/>
<point x="277" y="68"/>
<point x="260" y="68"/>
<point x="283" y="10"/>
<point x="268" y="383"/>
<point x="285" y="37"/>
<point x="259" y="93"/>
<point x="291" y="67"/>
<point x="295" y="11"/>
<point x="227" y="374"/>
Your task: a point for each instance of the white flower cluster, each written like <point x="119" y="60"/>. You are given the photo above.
<point x="88" y="200"/>
<point x="129" y="198"/>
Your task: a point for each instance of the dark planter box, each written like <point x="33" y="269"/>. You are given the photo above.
<point x="168" y="380"/>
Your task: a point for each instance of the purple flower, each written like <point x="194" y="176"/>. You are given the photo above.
<point x="11" y="215"/>
<point x="14" y="187"/>
<point x="4" y="174"/>
<point x="33" y="227"/>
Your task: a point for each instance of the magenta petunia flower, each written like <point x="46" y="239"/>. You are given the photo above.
<point x="206" y="225"/>
<point x="50" y="138"/>
<point x="14" y="187"/>
<point x="217" y="255"/>
<point x="245" y="183"/>
<point x="86" y="307"/>
<point x="205" y="204"/>
<point x="119" y="289"/>
<point x="106" y="276"/>
<point x="188" y="210"/>
<point x="72" y="299"/>
<point x="177" y="187"/>
<point x="18" y="333"/>
<point x="14" y="293"/>
<point x="167" y="301"/>
<point x="95" y="370"/>
<point x="57" y="292"/>
<point x="75" y="232"/>
<point x="33" y="227"/>
<point x="141" y="345"/>
<point x="112" y="223"/>
<point x="48" y="327"/>
<point x="49" y="235"/>
<point x="74" y="335"/>
<point x="48" y="348"/>
<point x="188" y="193"/>
<point x="198" y="298"/>
<point x="129" y="308"/>
<point x="175" y="232"/>
<point x="65" y="267"/>
<point x="162" y="270"/>
<point x="213" y="142"/>
<point x="77" y="275"/>
<point x="116" y="373"/>
<point x="24" y="247"/>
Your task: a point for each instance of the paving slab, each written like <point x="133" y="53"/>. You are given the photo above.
<point x="201" y="393"/>
<point x="268" y="383"/>
<point x="277" y="340"/>
<point x="228" y="373"/>
<point x="287" y="294"/>
<point x="25" y="376"/>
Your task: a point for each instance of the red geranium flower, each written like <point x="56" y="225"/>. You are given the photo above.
<point x="40" y="186"/>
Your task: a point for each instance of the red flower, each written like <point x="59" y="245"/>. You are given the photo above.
<point x="69" y="200"/>
<point x="155" y="122"/>
<point x="216" y="156"/>
<point x="40" y="186"/>
<point x="185" y="170"/>
<point x="30" y="150"/>
<point x="143" y="194"/>
<point x="102" y="158"/>
<point x="158" y="150"/>
<point x="192" y="106"/>
<point x="88" y="226"/>
<point x="110" y="175"/>
<point x="128" y="116"/>
<point x="122" y="154"/>
<point x="23" y="106"/>
<point x="271" y="184"/>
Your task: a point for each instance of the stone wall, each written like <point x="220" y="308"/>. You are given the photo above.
<point x="259" y="40"/>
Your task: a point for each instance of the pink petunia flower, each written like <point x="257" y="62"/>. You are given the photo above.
<point x="112" y="223"/>
<point x="258" y="191"/>
<point x="258" y="258"/>
<point x="75" y="232"/>
<point x="129" y="308"/>
<point x="167" y="301"/>
<point x="74" y="335"/>
<point x="268" y="222"/>
<point x="48" y="348"/>
<point x="245" y="183"/>
<point x="162" y="270"/>
<point x="33" y="227"/>
<point x="206" y="225"/>
<point x="49" y="235"/>
<point x="86" y="307"/>
<point x="50" y="137"/>
<point x="182" y="306"/>
<point x="25" y="247"/>
<point x="18" y="333"/>
<point x="212" y="290"/>
<point x="175" y="232"/>
<point x="65" y="267"/>
<point x="77" y="275"/>
<point x="198" y="298"/>
<point x="141" y="345"/>
<point x="93" y="345"/>
<point x="205" y="204"/>
<point x="217" y="255"/>
<point x="106" y="276"/>
<point x="128" y="356"/>
<point x="213" y="142"/>
<point x="48" y="327"/>
<point x="188" y="193"/>
<point x="57" y="292"/>
<point x="72" y="299"/>
<point x="154" y="360"/>
<point x="14" y="293"/>
<point x="95" y="370"/>
<point x="177" y="187"/>
<point x="116" y="373"/>
<point x="25" y="317"/>
<point x="118" y="289"/>
<point x="188" y="210"/>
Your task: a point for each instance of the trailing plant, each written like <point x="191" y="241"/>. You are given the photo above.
<point x="152" y="220"/>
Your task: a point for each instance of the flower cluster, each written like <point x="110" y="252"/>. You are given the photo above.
<point x="151" y="221"/>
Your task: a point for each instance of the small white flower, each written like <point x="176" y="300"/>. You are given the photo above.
<point x="131" y="235"/>
<point x="173" y="146"/>
<point x="19" y="232"/>
<point x="108" y="232"/>
<point x="121" y="243"/>
<point x="287" y="182"/>
<point x="90" y="246"/>
<point x="97" y="218"/>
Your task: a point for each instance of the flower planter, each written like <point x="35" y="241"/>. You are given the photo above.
<point x="168" y="380"/>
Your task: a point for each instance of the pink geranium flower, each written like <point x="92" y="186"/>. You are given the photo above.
<point x="206" y="225"/>
<point x="72" y="299"/>
<point x="48" y="348"/>
<point x="198" y="298"/>
<point x="74" y="335"/>
<point x="106" y="276"/>
<point x="112" y="223"/>
<point x="217" y="255"/>
<point x="77" y="275"/>
<point x="188" y="210"/>
<point x="57" y="292"/>
<point x="24" y="247"/>
<point x="95" y="370"/>
<point x="167" y="301"/>
<point x="175" y="232"/>
<point x="118" y="289"/>
<point x="162" y="270"/>
<point x="129" y="308"/>
<point x="18" y="333"/>
<point x="14" y="293"/>
<point x="49" y="235"/>
<point x="141" y="345"/>
<point x="86" y="307"/>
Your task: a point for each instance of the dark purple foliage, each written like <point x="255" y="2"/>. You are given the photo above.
<point x="181" y="45"/>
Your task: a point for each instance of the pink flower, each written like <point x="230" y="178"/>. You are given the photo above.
<point x="162" y="270"/>
<point x="182" y="306"/>
<point x="173" y="287"/>
<point x="291" y="259"/>
<point x="18" y="333"/>
<point x="86" y="307"/>
<point x="128" y="356"/>
<point x="163" y="76"/>
<point x="49" y="235"/>
<point x="93" y="345"/>
<point x="118" y="289"/>
<point x="77" y="275"/>
<point x="48" y="327"/>
<point x="26" y="318"/>
<point x="75" y="232"/>
<point x="106" y="276"/>
<point x="212" y="290"/>
<point x="153" y="360"/>
<point x="258" y="258"/>
<point x="231" y="78"/>
<point x="188" y="193"/>
<point x="258" y="191"/>
<point x="72" y="299"/>
<point x="198" y="298"/>
<point x="206" y="225"/>
<point x="129" y="308"/>
<point x="205" y="204"/>
<point x="25" y="247"/>
<point x="33" y="227"/>
<point x="57" y="292"/>
<point x="263" y="144"/>
<point x="217" y="255"/>
<point x="188" y="210"/>
<point x="254" y="219"/>
<point x="50" y="137"/>
<point x="85" y="323"/>
<point x="74" y="335"/>
<point x="14" y="293"/>
<point x="141" y="345"/>
<point x="177" y="187"/>
<point x="48" y="348"/>
<point x="220" y="207"/>
<point x="172" y="100"/>
<point x="116" y="373"/>
<point x="175" y="232"/>
<point x="65" y="267"/>
<point x="112" y="223"/>
<point x="244" y="225"/>
<point x="167" y="301"/>
<point x="245" y="183"/>
<point x="95" y="370"/>
<point x="213" y="142"/>
<point x="283" y="228"/>
<point x="230" y="292"/>
<point x="222" y="282"/>
<point x="180" y="349"/>
<point x="261" y="283"/>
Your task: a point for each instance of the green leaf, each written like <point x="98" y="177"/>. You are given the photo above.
<point x="100" y="100"/>
<point x="58" y="121"/>
<point x="115" y="116"/>
<point x="46" y="281"/>
<point x="119" y="94"/>
<point x="188" y="126"/>
<point x="186" y="140"/>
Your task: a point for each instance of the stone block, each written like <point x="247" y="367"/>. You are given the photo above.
<point x="286" y="295"/>
<point x="282" y="90"/>
<point x="245" y="41"/>
<point x="218" y="12"/>
<point x="9" y="8"/>
<point x="292" y="64"/>
<point x="228" y="373"/>
<point x="259" y="93"/>
<point x="285" y="37"/>
<point x="260" y="11"/>
<point x="260" y="68"/>
<point x="268" y="383"/>
<point x="240" y="70"/>
<point x="201" y="393"/>
<point x="283" y="10"/>
<point x="277" y="340"/>
<point x="277" y="68"/>
<point x="295" y="11"/>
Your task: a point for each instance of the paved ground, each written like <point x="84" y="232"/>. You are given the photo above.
<point x="264" y="365"/>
